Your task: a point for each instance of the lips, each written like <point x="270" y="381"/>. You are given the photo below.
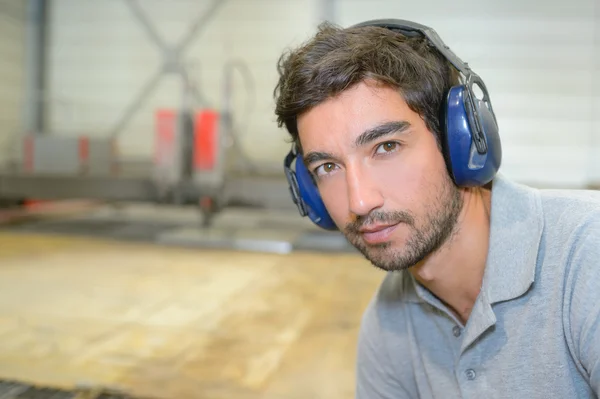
<point x="378" y="234"/>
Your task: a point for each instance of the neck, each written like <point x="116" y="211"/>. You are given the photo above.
<point x="454" y="273"/>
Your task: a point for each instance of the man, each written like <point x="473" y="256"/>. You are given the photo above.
<point x="492" y="288"/>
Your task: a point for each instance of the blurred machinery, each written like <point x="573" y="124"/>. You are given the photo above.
<point x="187" y="167"/>
<point x="192" y="142"/>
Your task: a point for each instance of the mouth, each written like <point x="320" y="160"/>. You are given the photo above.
<point x="378" y="234"/>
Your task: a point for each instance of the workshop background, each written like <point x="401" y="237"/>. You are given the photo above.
<point x="148" y="243"/>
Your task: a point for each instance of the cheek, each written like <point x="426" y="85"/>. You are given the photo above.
<point x="403" y="172"/>
<point x="408" y="182"/>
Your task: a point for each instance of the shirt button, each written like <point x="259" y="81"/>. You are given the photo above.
<point x="470" y="373"/>
<point x="456" y="331"/>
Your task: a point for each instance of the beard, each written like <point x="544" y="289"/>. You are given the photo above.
<point x="438" y="226"/>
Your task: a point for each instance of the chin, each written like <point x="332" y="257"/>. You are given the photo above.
<point x="388" y="256"/>
<point x="399" y="253"/>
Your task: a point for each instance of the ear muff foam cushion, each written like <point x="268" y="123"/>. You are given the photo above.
<point x="492" y="135"/>
<point x="311" y="197"/>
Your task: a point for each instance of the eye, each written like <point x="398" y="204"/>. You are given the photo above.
<point x="387" y="147"/>
<point x="326" y="168"/>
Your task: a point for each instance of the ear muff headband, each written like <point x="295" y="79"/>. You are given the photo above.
<point x="411" y="29"/>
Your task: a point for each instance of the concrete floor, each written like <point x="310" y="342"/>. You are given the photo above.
<point x="155" y="321"/>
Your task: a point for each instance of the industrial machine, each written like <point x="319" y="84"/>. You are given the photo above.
<point x="191" y="141"/>
<point x="187" y="166"/>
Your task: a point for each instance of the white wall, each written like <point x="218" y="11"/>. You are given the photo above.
<point x="12" y="61"/>
<point x="594" y="161"/>
<point x="100" y="57"/>
<point x="537" y="59"/>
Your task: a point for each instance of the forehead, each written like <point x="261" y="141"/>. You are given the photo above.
<point x="341" y="119"/>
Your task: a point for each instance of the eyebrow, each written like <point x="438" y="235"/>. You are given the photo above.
<point x="368" y="136"/>
<point x="382" y="130"/>
<point x="316" y="156"/>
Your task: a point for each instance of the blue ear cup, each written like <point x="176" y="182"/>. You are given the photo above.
<point x="306" y="194"/>
<point x="311" y="197"/>
<point x="473" y="148"/>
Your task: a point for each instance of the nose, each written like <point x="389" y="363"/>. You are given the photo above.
<point x="364" y="195"/>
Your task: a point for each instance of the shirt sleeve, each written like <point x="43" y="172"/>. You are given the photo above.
<point x="375" y="376"/>
<point x="582" y="302"/>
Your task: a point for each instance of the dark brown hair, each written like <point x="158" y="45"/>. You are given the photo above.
<point x="335" y="59"/>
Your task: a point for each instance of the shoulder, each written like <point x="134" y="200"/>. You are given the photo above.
<point x="572" y="231"/>
<point x="571" y="209"/>
<point x="383" y="319"/>
<point x="557" y="207"/>
<point x="382" y="332"/>
<point x="577" y="219"/>
<point x="569" y="228"/>
<point x="564" y="216"/>
<point x="381" y="315"/>
<point x="389" y="299"/>
<point x="572" y="225"/>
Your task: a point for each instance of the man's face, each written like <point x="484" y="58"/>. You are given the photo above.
<point x="380" y="174"/>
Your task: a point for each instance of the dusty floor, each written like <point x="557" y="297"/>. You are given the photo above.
<point x="180" y="323"/>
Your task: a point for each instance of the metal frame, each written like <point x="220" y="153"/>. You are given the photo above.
<point x="238" y="190"/>
<point x="328" y="10"/>
<point x="138" y="184"/>
<point x="172" y="58"/>
<point x="35" y="66"/>
<point x="102" y="188"/>
<point x="141" y="187"/>
<point x="69" y="187"/>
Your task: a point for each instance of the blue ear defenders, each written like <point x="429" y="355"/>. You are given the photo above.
<point x="471" y="142"/>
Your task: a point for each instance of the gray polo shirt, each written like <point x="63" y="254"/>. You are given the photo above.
<point x="534" y="331"/>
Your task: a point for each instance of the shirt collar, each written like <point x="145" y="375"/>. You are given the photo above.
<point x="515" y="234"/>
